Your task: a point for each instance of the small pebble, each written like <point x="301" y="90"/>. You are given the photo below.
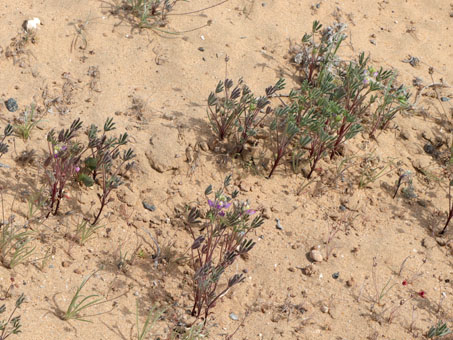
<point x="373" y="41"/>
<point x="150" y="207"/>
<point x="234" y="317"/>
<point x="429" y="148"/>
<point x="441" y="241"/>
<point x="444" y="99"/>
<point x="342" y="207"/>
<point x="350" y="282"/>
<point x="11" y="105"/>
<point x="278" y="225"/>
<point x="324" y="309"/>
<point x="335" y="275"/>
<point x="201" y="49"/>
<point x="316" y="255"/>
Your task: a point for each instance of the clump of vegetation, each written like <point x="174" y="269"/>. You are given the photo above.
<point x="146" y="13"/>
<point x="12" y="325"/>
<point x="62" y="163"/>
<point x="27" y="123"/>
<point x="439" y="330"/>
<point x="220" y="240"/>
<point x="80" y="303"/>
<point x="102" y="165"/>
<point x="334" y="102"/>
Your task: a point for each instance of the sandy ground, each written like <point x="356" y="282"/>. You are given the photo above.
<point x="155" y="85"/>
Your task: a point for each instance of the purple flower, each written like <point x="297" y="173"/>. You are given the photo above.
<point x="375" y="74"/>
<point x="64" y="148"/>
<point x="366" y="81"/>
<point x="55" y="155"/>
<point x="226" y="205"/>
<point x="211" y="203"/>
<point x="222" y="213"/>
<point x="77" y="169"/>
<point x="250" y="211"/>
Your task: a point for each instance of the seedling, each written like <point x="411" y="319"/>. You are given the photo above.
<point x="153" y="315"/>
<point x="23" y="129"/>
<point x="86" y="230"/>
<point x="439" y="330"/>
<point x="15" y="242"/>
<point x="221" y="240"/>
<point x="11" y="326"/>
<point x="80" y="303"/>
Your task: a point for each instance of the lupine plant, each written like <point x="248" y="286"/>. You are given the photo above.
<point x="222" y="237"/>
<point x="313" y="55"/>
<point x="8" y="131"/>
<point x="62" y="163"/>
<point x="11" y="326"/>
<point x="235" y="111"/>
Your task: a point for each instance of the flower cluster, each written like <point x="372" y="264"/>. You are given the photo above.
<point x="370" y="75"/>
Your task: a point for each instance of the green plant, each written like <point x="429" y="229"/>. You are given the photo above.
<point x="85" y="230"/>
<point x="8" y="131"/>
<point x="222" y="239"/>
<point x="28" y="123"/>
<point x="103" y="152"/>
<point x="371" y="170"/>
<point x="11" y="326"/>
<point x="62" y="162"/>
<point x="237" y="112"/>
<point x="15" y="243"/>
<point x="439" y="330"/>
<point x="153" y="315"/>
<point x="80" y="303"/>
<point x="148" y="13"/>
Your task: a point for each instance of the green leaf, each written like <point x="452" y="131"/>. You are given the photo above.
<point x="91" y="163"/>
<point x="85" y="179"/>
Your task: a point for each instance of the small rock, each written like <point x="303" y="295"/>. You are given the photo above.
<point x="428" y="243"/>
<point x="204" y="146"/>
<point x="441" y="241"/>
<point x="291" y="269"/>
<point x="77" y="271"/>
<point x="244" y="186"/>
<point x="404" y="133"/>
<point x="444" y="99"/>
<point x="278" y="225"/>
<point x="316" y="255"/>
<point x="136" y="293"/>
<point x="451" y="14"/>
<point x="234" y="317"/>
<point x="324" y="309"/>
<point x="150" y="207"/>
<point x="350" y="282"/>
<point x="373" y="41"/>
<point x="201" y="49"/>
<point x="65" y="264"/>
<point x="309" y="270"/>
<point x="429" y="148"/>
<point x="11" y="105"/>
<point x="335" y="275"/>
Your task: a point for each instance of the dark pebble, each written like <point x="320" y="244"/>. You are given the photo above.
<point x="336" y="275"/>
<point x="342" y="207"/>
<point x="150" y="207"/>
<point x="444" y="99"/>
<point x="429" y="148"/>
<point x="11" y="105"/>
<point x="201" y="49"/>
